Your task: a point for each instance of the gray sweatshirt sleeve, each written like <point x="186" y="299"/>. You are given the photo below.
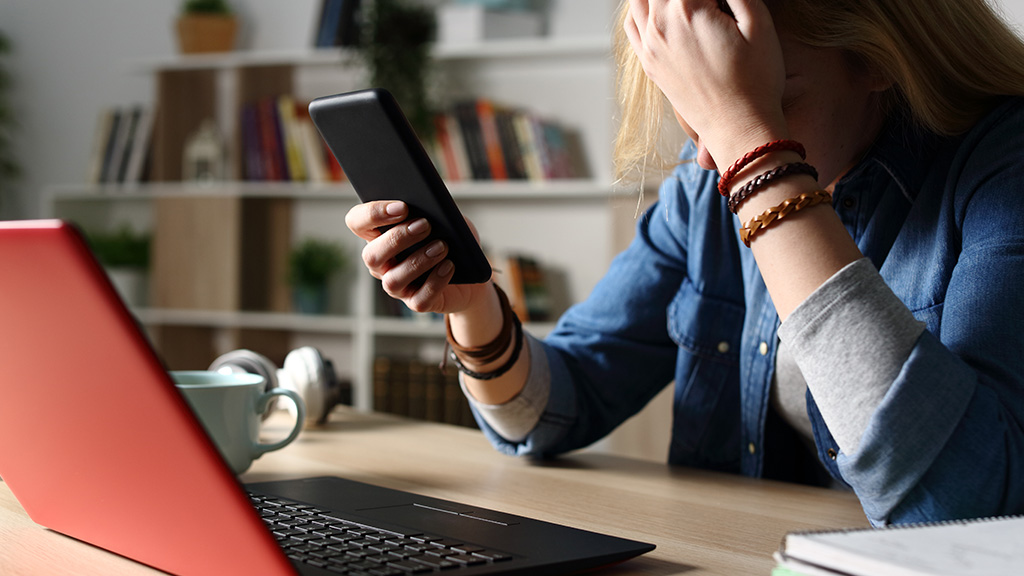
<point x="514" y="419"/>
<point x="850" y="339"/>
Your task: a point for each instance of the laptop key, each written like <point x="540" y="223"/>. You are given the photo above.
<point x="411" y="567"/>
<point x="435" y="563"/>
<point x="467" y="560"/>
<point x="493" y="556"/>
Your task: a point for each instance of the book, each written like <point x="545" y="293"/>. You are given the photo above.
<point x="987" y="546"/>
<point x="448" y="165"/>
<point x="101" y="138"/>
<point x="290" y="138"/>
<point x="473" y="139"/>
<point x="253" y="167"/>
<point x="491" y="140"/>
<point x="115" y="136"/>
<point x="330" y="19"/>
<point x="137" y="151"/>
<point x="338" y="24"/>
<point x="271" y="146"/>
<point x="123" y="148"/>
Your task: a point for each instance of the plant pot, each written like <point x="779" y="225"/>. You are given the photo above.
<point x="310" y="299"/>
<point x="199" y="33"/>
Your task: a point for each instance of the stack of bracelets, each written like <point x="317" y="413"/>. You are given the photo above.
<point x="511" y="333"/>
<point x="776" y="213"/>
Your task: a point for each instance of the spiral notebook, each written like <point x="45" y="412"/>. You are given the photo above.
<point x="982" y="547"/>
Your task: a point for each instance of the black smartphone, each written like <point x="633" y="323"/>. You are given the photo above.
<point x="382" y="157"/>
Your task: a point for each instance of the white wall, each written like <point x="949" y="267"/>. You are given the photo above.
<point x="74" y="57"/>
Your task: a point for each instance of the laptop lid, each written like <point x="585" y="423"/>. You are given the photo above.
<point x="95" y="440"/>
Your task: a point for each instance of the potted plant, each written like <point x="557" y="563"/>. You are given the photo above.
<point x="206" y="26"/>
<point x="312" y="263"/>
<point x="396" y="47"/>
<point x="9" y="168"/>
<point x="124" y="254"/>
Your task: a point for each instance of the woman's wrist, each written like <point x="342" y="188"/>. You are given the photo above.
<point x="480" y="322"/>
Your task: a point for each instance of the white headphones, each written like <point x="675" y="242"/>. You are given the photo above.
<point x="306" y="372"/>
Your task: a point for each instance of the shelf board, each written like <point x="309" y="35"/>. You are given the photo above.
<point x="298" y="190"/>
<point x="251" y="320"/>
<point x="378" y="326"/>
<point x="466" y="190"/>
<point x="541" y="47"/>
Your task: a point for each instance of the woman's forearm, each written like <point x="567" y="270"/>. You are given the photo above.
<point x="478" y="325"/>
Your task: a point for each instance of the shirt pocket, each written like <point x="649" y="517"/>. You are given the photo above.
<point x="705" y="326"/>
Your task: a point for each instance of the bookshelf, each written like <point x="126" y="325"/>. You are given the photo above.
<point x="218" y="284"/>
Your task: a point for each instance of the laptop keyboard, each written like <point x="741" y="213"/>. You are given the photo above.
<point x="320" y="538"/>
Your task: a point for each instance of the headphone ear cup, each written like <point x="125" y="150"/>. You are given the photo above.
<point x="313" y="378"/>
<point x="249" y="362"/>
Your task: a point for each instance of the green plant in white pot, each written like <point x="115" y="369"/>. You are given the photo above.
<point x="312" y="264"/>
<point x="124" y="254"/>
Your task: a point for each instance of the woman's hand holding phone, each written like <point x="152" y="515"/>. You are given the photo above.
<point x="421" y="279"/>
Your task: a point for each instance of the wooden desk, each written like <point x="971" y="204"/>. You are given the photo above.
<point x="701" y="522"/>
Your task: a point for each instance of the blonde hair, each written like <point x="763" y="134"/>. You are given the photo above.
<point x="947" y="60"/>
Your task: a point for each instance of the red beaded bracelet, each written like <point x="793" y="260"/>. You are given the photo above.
<point x="774" y="146"/>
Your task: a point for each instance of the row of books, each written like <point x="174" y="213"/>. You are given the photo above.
<point x="481" y="140"/>
<point x="280" y="143"/>
<point x="421" y="390"/>
<point x="120" y="147"/>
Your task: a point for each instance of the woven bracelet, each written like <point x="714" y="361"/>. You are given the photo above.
<point x="501" y="370"/>
<point x="767" y="178"/>
<point x="495" y="348"/>
<point x="774" y="146"/>
<point x="776" y="213"/>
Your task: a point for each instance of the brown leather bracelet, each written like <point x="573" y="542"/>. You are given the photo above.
<point x="767" y="178"/>
<point x="495" y="348"/>
<point x="501" y="370"/>
<point x="774" y="214"/>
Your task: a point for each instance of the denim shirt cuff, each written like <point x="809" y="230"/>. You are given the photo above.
<point x="925" y="404"/>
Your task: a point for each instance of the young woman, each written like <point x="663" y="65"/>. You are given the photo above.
<point x="831" y="276"/>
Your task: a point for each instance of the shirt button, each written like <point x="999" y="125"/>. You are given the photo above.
<point x="849" y="202"/>
<point x="763" y="348"/>
<point x="751" y="448"/>
<point x="723" y="347"/>
<point x="831" y="453"/>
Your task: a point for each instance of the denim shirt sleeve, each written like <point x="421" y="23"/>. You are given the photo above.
<point x="609" y="355"/>
<point x="947" y="440"/>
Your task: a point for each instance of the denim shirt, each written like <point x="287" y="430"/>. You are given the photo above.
<point x="941" y="218"/>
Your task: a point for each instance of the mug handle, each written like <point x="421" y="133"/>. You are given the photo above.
<point x="259" y="448"/>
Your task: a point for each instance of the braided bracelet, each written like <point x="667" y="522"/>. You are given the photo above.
<point x="495" y="348"/>
<point x="774" y="146"/>
<point x="511" y="328"/>
<point x="776" y="213"/>
<point x="501" y="370"/>
<point x="765" y="179"/>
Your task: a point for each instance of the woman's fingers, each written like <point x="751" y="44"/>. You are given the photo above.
<point x="400" y="279"/>
<point x="380" y="254"/>
<point x="365" y="219"/>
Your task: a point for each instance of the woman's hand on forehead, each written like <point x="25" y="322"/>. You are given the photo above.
<point x="724" y="76"/>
